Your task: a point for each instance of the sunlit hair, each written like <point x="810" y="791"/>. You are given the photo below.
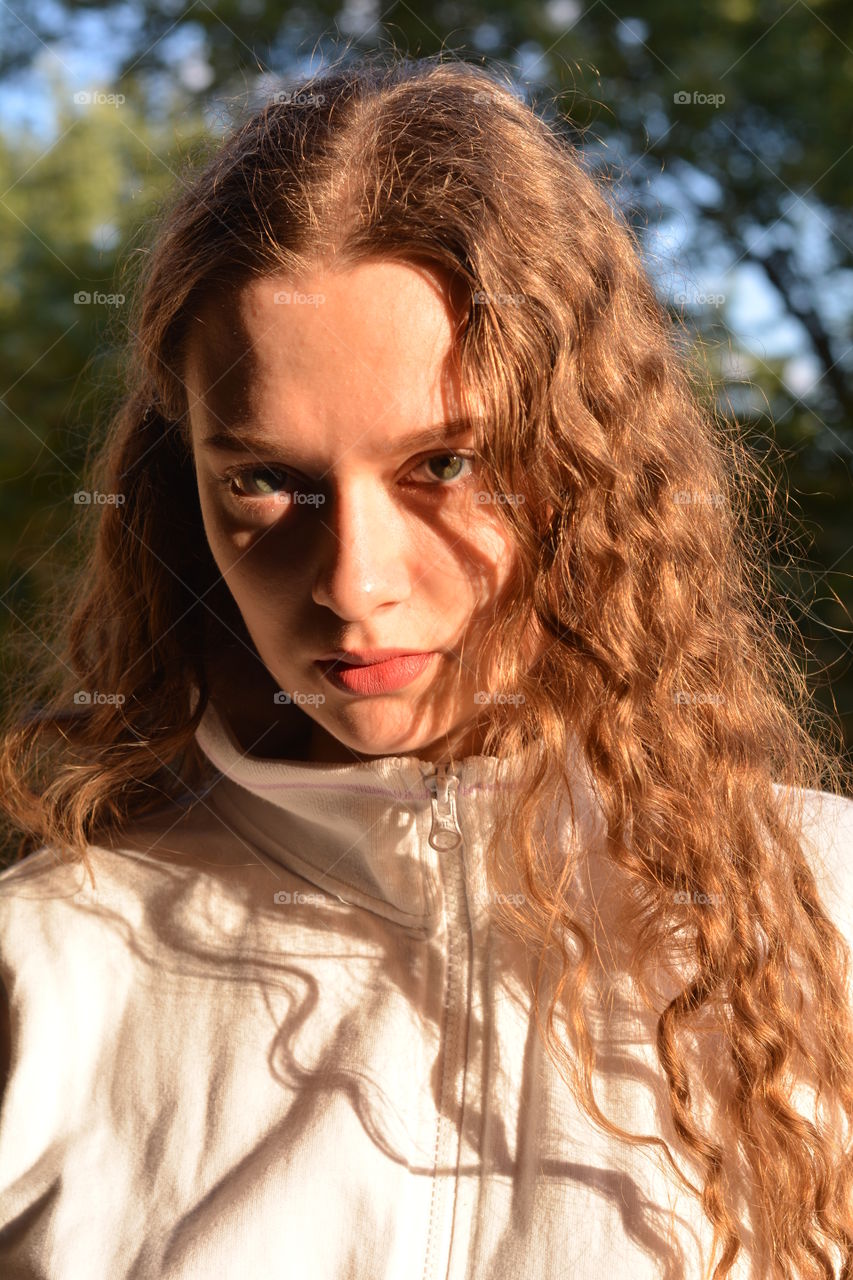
<point x="640" y="559"/>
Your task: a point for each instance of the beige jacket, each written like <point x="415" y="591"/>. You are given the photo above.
<point x="281" y="1040"/>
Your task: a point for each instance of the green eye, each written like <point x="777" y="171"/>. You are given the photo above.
<point x="252" y="487"/>
<point x="449" y="468"/>
<point x="445" y="467"/>
<point x="271" y="481"/>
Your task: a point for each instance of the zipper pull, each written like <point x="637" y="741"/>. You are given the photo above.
<point x="445" y="832"/>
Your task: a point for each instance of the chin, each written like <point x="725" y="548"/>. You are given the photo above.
<point x="329" y="744"/>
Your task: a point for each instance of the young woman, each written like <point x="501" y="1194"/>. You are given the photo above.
<point x="428" y="870"/>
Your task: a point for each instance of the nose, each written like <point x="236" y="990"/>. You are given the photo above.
<point x="361" y="560"/>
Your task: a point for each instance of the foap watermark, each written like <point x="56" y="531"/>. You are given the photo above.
<point x="682" y="98"/>
<point x="94" y="498"/>
<point x="299" y="498"/>
<point x="96" y="98"/>
<point x="284" y="898"/>
<point x="482" y="497"/>
<point x="700" y="299"/>
<point x="483" y="296"/>
<point x="486" y="97"/>
<point x="287" y="97"/>
<point x="83" y="298"/>
<point x="489" y="899"/>
<point x="683" y="697"/>
<point x="94" y="698"/>
<point x="512" y="699"/>
<point x="683" y="898"/>
<point x="295" y="298"/>
<point x="698" y="497"/>
<point x="93" y="898"/>
<point x="282" y="697"/>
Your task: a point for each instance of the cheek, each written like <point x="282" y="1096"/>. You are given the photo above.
<point x="215" y="526"/>
<point x="259" y="572"/>
<point x="238" y="544"/>
<point x="505" y="551"/>
<point x="499" y="553"/>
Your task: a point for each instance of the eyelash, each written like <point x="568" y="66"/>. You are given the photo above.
<point x="236" y="473"/>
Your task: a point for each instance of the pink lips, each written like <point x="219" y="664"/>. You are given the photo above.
<point x="376" y="677"/>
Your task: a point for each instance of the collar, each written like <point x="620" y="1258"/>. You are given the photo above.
<point x="371" y="833"/>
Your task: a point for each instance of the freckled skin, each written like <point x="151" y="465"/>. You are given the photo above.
<point x="398" y="554"/>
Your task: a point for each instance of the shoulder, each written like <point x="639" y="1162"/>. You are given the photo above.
<point x="62" y="929"/>
<point x="169" y="841"/>
<point x="175" y="884"/>
<point x="49" y="904"/>
<point x="827" y="829"/>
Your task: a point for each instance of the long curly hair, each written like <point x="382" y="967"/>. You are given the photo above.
<point x="668" y="671"/>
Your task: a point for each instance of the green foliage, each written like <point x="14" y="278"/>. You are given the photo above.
<point x="73" y="218"/>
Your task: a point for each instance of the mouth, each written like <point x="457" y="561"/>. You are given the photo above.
<point x="367" y="657"/>
<point x="379" y="675"/>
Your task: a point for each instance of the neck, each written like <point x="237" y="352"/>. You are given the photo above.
<point x="324" y="748"/>
<point x="243" y="691"/>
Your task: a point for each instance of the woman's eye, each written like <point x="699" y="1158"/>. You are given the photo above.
<point x="270" y="481"/>
<point x="445" y="468"/>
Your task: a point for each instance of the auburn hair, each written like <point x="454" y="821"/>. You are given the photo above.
<point x="669" y="672"/>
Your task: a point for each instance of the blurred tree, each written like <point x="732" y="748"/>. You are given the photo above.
<point x="70" y="217"/>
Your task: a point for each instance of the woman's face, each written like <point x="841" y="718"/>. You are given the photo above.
<point x="333" y="527"/>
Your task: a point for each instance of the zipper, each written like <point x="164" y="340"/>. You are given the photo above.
<point x="444" y="832"/>
<point x="444" y="1241"/>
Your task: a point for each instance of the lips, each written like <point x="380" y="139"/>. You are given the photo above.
<point x="366" y="657"/>
<point x="370" y="678"/>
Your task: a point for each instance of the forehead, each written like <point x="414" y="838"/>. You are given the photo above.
<point x="377" y="334"/>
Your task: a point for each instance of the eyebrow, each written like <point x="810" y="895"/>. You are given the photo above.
<point x="232" y="440"/>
